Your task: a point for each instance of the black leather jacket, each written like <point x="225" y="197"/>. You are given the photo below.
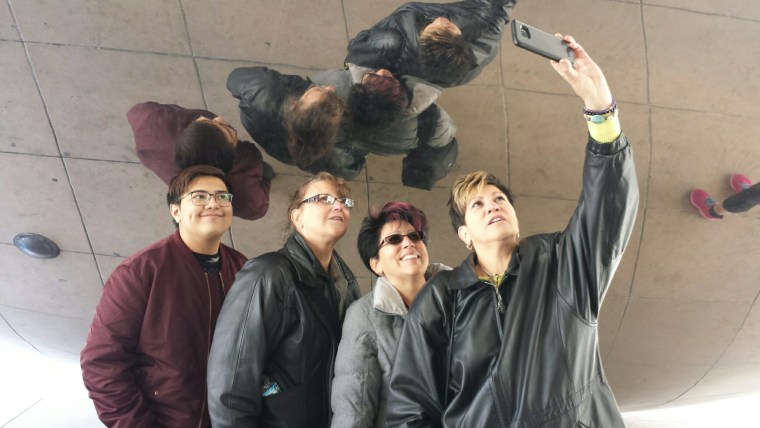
<point x="393" y="43"/>
<point x="461" y="362"/>
<point x="273" y="323"/>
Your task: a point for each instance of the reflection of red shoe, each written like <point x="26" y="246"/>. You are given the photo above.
<point x="703" y="202"/>
<point x="740" y="182"/>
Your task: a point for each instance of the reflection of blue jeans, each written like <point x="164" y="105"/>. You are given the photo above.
<point x="744" y="200"/>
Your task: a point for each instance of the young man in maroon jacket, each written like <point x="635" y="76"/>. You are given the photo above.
<point x="144" y="361"/>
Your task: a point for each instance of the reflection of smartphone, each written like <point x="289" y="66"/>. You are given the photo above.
<point x="540" y="42"/>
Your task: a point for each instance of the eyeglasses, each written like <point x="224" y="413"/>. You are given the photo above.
<point x="398" y="238"/>
<point x="329" y="200"/>
<point x="201" y="198"/>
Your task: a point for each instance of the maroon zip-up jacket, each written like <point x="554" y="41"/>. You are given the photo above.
<point x="144" y="361"/>
<point x="156" y="128"/>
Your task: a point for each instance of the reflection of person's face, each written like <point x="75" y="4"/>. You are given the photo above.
<point x="224" y="126"/>
<point x="203" y="223"/>
<point x="441" y="24"/>
<point x="315" y="94"/>
<point x="489" y="217"/>
<point x="398" y="262"/>
<point x="318" y="222"/>
<point x="383" y="81"/>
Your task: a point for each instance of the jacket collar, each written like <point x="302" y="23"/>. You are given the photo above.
<point x="464" y="275"/>
<point x="187" y="254"/>
<point x="386" y="298"/>
<point x="307" y="267"/>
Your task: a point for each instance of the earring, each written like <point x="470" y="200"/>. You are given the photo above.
<point x="469" y="245"/>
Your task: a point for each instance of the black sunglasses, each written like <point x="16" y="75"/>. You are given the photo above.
<point x="398" y="238"/>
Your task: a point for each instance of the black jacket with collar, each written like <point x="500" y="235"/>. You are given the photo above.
<point x="393" y="43"/>
<point x="462" y="363"/>
<point x="269" y="327"/>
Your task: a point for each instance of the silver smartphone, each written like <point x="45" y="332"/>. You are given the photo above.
<point x="540" y="42"/>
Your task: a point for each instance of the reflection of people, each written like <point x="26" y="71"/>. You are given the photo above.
<point x="272" y="358"/>
<point x="144" y="362"/>
<point x="448" y="44"/>
<point x="747" y="197"/>
<point x="509" y="337"/>
<point x="169" y="138"/>
<point x="392" y="244"/>
<point x="383" y="115"/>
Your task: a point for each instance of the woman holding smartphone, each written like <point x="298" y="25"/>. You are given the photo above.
<point x="509" y="337"/>
<point x="393" y="245"/>
<point x="272" y="357"/>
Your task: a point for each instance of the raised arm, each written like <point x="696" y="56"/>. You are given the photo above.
<point x="599" y="230"/>
<point x="109" y="356"/>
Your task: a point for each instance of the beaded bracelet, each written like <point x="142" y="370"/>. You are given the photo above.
<point x="588" y="112"/>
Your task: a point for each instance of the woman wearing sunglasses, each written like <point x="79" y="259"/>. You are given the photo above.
<point x="392" y="245"/>
<point x="509" y="337"/>
<point x="272" y="357"/>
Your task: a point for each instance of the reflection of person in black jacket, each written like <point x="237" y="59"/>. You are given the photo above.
<point x="509" y="337"/>
<point x="272" y="357"/>
<point x="421" y="129"/>
<point x="448" y="44"/>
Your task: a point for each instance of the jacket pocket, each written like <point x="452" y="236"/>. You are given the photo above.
<point x="286" y="408"/>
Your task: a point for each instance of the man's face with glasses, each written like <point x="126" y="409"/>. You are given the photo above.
<point x="205" y="209"/>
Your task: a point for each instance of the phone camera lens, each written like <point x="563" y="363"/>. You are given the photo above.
<point x="525" y="32"/>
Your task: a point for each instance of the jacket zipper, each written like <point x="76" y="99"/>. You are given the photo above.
<point x="210" y="312"/>
<point x="500" y="302"/>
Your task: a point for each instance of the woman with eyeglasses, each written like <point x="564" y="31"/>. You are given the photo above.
<point x="509" y="337"/>
<point x="392" y="244"/>
<point x="272" y="357"/>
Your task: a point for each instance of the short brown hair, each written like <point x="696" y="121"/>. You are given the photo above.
<point x="464" y="187"/>
<point x="340" y="185"/>
<point x="179" y="184"/>
<point x="445" y="56"/>
<point x="311" y="131"/>
<point x="203" y="143"/>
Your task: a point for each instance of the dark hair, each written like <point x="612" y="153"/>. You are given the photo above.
<point x="462" y="191"/>
<point x="203" y="143"/>
<point x="179" y="184"/>
<point x="311" y="130"/>
<point x="376" y="106"/>
<point x="445" y="56"/>
<point x="368" y="241"/>
<point x="340" y="186"/>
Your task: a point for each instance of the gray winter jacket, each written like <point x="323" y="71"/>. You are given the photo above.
<point x="365" y="355"/>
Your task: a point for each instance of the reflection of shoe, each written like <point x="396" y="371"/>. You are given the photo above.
<point x="740" y="182"/>
<point x="703" y="202"/>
